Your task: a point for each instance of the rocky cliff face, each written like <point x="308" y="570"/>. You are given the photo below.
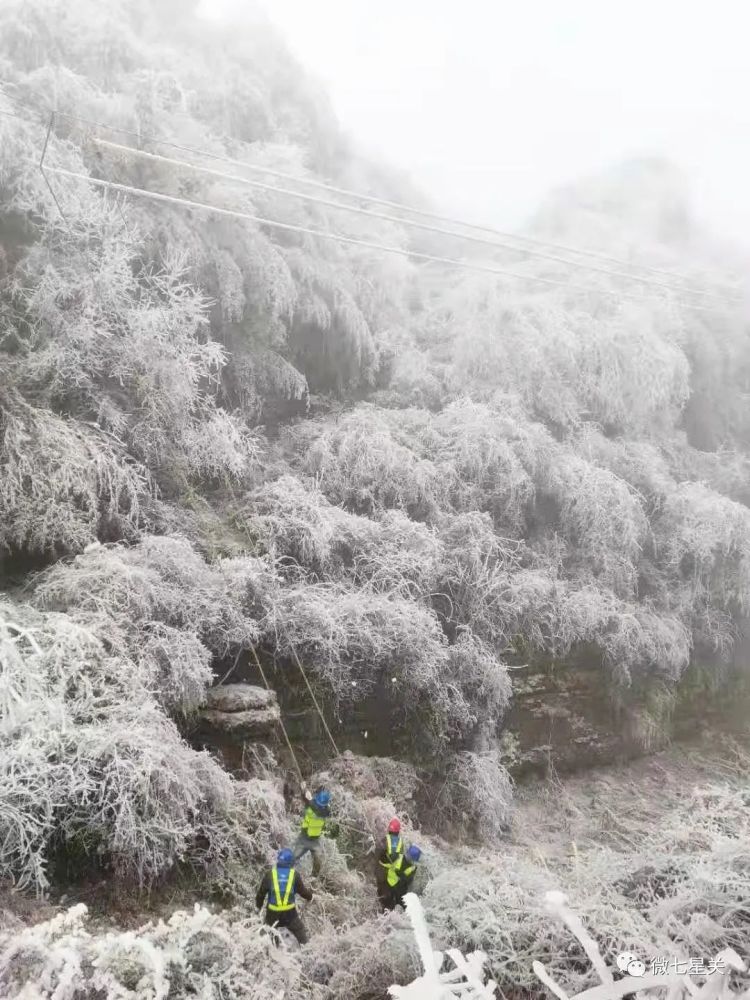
<point x="563" y="717"/>
<point x="234" y="714"/>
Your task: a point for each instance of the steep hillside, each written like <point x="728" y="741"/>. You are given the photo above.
<point x="231" y="449"/>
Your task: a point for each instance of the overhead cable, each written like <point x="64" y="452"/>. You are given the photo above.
<point x="426" y="227"/>
<point x="321" y="234"/>
<point x="369" y="199"/>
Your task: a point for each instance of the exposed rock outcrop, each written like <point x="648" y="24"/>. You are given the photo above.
<point x="238" y="712"/>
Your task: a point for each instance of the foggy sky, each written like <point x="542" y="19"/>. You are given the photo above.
<point x="490" y="103"/>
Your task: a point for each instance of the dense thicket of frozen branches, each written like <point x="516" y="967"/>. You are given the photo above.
<point x="215" y="437"/>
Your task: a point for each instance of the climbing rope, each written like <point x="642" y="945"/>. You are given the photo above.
<point x="262" y="672"/>
<point x="281" y="721"/>
<point x="315" y="702"/>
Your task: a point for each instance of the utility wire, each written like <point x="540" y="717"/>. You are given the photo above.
<point x="454" y="262"/>
<point x="426" y="227"/>
<point x="370" y="199"/>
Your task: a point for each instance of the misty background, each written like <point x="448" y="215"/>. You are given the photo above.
<point x="491" y="104"/>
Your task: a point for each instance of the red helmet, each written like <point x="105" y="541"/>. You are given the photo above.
<point x="394" y="826"/>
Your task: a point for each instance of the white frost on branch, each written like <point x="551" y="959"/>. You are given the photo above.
<point x="674" y="987"/>
<point x="466" y="979"/>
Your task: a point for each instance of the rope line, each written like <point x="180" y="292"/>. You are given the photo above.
<point x="281" y="721"/>
<point x="455" y="262"/>
<point x="426" y="227"/>
<point x="315" y="702"/>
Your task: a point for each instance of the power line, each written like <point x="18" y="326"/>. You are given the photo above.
<point x="400" y="206"/>
<point x="235" y="178"/>
<point x="468" y="265"/>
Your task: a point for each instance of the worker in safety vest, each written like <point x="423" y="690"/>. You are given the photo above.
<point x="280" y="886"/>
<point x="317" y="811"/>
<point x="393" y="849"/>
<point x="400" y="876"/>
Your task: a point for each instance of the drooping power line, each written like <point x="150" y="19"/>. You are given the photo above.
<point x="368" y="199"/>
<point x="426" y="227"/>
<point x="322" y="234"/>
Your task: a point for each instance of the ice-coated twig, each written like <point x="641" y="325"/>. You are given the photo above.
<point x="421" y="935"/>
<point x="549" y="982"/>
<point x="678" y="987"/>
<point x="465" y="981"/>
<point x="557" y="903"/>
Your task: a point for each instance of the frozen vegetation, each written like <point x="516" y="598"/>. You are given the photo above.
<point x="218" y="437"/>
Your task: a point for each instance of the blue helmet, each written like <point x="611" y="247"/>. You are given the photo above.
<point x="322" y="798"/>
<point x="284" y="858"/>
<point x="414" y="853"/>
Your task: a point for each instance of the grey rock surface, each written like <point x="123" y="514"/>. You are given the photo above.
<point x="238" y="698"/>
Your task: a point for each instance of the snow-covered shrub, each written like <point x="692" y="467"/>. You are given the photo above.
<point x="361" y="464"/>
<point x="622" y="366"/>
<point x="632" y="373"/>
<point x="603" y="518"/>
<point x="703" y="541"/>
<point x="364" y="961"/>
<point x="360" y="644"/>
<point x="639" y="461"/>
<point x="263" y="378"/>
<point x="163" y="580"/>
<point x="297" y="524"/>
<point x="63" y="482"/>
<point x="107" y="334"/>
<point x="494" y="454"/>
<point x="403" y="557"/>
<point x="476" y="576"/>
<point x="89" y="762"/>
<point x="198" y="953"/>
<point x="476" y="795"/>
<point x="484" y="683"/>
<point x="632" y="637"/>
<point x="376" y="778"/>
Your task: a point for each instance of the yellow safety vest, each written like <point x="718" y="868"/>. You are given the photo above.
<point x="312" y="824"/>
<point x="280" y="902"/>
<point x="393" y="851"/>
<point x="397" y="869"/>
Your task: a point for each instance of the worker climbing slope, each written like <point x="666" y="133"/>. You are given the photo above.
<point x="400" y="877"/>
<point x="280" y="886"/>
<point x="393" y="849"/>
<point x="317" y="812"/>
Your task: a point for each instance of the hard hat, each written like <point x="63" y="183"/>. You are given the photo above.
<point x="322" y="798"/>
<point x="284" y="858"/>
<point x="414" y="853"/>
<point x="394" y="826"/>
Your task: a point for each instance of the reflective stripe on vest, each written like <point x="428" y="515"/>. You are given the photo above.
<point x="396" y="872"/>
<point x="312" y="824"/>
<point x="280" y="902"/>
<point x="394" y="848"/>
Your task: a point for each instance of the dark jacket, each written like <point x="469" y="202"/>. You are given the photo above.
<point x="403" y="866"/>
<point x="266" y="886"/>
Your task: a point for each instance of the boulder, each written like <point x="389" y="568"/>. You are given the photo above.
<point x="236" y="712"/>
<point x="238" y="698"/>
<point x="253" y="724"/>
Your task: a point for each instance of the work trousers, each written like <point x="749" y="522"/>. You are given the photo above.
<point x="392" y="896"/>
<point x="304" y="845"/>
<point x="291" y="920"/>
